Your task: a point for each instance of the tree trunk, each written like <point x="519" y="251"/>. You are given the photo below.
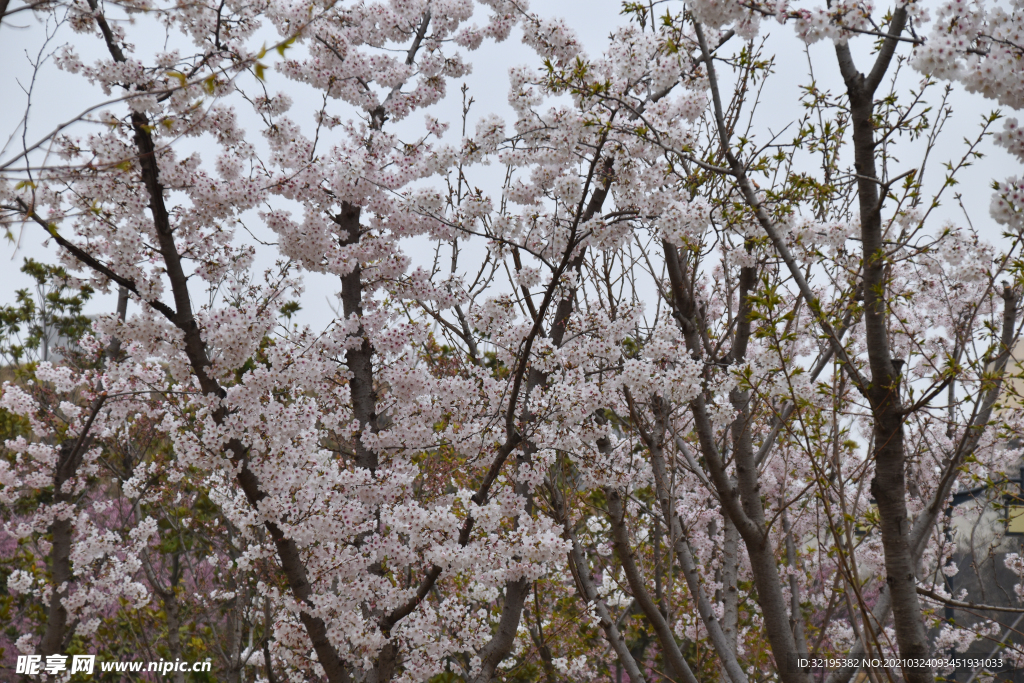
<point x="62" y="530"/>
<point x="730" y="576"/>
<point x="889" y="486"/>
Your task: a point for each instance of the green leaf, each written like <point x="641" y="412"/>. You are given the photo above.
<point x="180" y="76"/>
<point x="285" y="45"/>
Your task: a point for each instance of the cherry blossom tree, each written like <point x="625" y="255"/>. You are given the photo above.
<point x="623" y="385"/>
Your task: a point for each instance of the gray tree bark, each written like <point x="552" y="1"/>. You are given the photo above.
<point x="889" y="485"/>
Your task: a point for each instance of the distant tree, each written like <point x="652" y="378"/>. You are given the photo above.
<point x="38" y="323"/>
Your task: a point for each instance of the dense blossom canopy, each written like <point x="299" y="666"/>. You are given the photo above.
<point x="620" y="386"/>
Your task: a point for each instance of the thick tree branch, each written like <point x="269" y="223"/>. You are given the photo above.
<point x="670" y="648"/>
<point x="587" y="590"/>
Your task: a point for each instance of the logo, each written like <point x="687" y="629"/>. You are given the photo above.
<point x="32" y="665"/>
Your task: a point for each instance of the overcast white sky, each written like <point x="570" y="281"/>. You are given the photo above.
<point x="58" y="97"/>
